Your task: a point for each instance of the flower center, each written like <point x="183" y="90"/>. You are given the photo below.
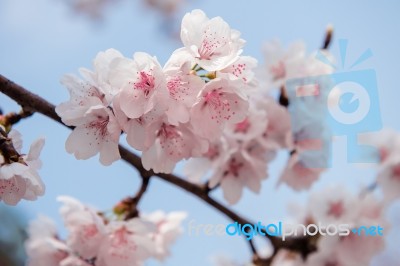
<point x="100" y="125"/>
<point x="145" y="83"/>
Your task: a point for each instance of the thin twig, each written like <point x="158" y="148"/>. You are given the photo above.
<point x="13" y="118"/>
<point x="134" y="202"/>
<point x="283" y="97"/>
<point x="7" y="149"/>
<point x="328" y="37"/>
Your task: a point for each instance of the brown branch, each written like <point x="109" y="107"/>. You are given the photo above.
<point x="13" y="118"/>
<point x="7" y="149"/>
<point x="134" y="201"/>
<point x="34" y="103"/>
<point x="328" y="37"/>
<point x="283" y="97"/>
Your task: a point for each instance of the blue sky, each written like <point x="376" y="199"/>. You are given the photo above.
<point x="42" y="40"/>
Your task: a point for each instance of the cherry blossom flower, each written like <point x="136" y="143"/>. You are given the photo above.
<point x="102" y="65"/>
<point x="42" y="247"/>
<point x="388" y="178"/>
<point x="281" y="64"/>
<point x="277" y="133"/>
<point x="211" y="41"/>
<point x="83" y="95"/>
<point x="249" y="128"/>
<point x="298" y="176"/>
<point x="333" y="205"/>
<point x="386" y="142"/>
<point x="242" y="69"/>
<point x="198" y="167"/>
<point x="183" y="86"/>
<point x="97" y="239"/>
<point x="90" y="111"/>
<point x="140" y="132"/>
<point x="240" y="170"/>
<point x="98" y="132"/>
<point x="168" y="229"/>
<point x="142" y="84"/>
<point x="337" y="205"/>
<point x="359" y="249"/>
<point x="219" y="103"/>
<point x="126" y="244"/>
<point x="86" y="228"/>
<point x="172" y="144"/>
<point x="20" y="180"/>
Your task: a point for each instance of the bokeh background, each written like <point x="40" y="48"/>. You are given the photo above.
<point x="43" y="39"/>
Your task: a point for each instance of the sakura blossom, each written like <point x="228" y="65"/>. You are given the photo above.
<point x="338" y="205"/>
<point x="211" y="41"/>
<point x="141" y="81"/>
<point x="220" y="103"/>
<point x="168" y="229"/>
<point x="183" y="86"/>
<point x="227" y="117"/>
<point x="43" y="247"/>
<point x="98" y="132"/>
<point x="243" y="68"/>
<point x="19" y="177"/>
<point x="85" y="226"/>
<point x="389" y="178"/>
<point x="241" y="169"/>
<point x="386" y="143"/>
<point x="97" y="240"/>
<point x="162" y="110"/>
<point x="126" y="243"/>
<point x="277" y="133"/>
<point x="197" y="168"/>
<point x="171" y="145"/>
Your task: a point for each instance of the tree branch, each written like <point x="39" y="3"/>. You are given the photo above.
<point x="133" y="202"/>
<point x="34" y="103"/>
<point x="328" y="37"/>
<point x="7" y="150"/>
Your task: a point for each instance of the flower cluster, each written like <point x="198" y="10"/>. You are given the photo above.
<point x="240" y="157"/>
<point x="19" y="177"/>
<point x="170" y="113"/>
<point x="205" y="103"/>
<point x="307" y="106"/>
<point x="387" y="153"/>
<point x="336" y="205"/>
<point x="95" y="240"/>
